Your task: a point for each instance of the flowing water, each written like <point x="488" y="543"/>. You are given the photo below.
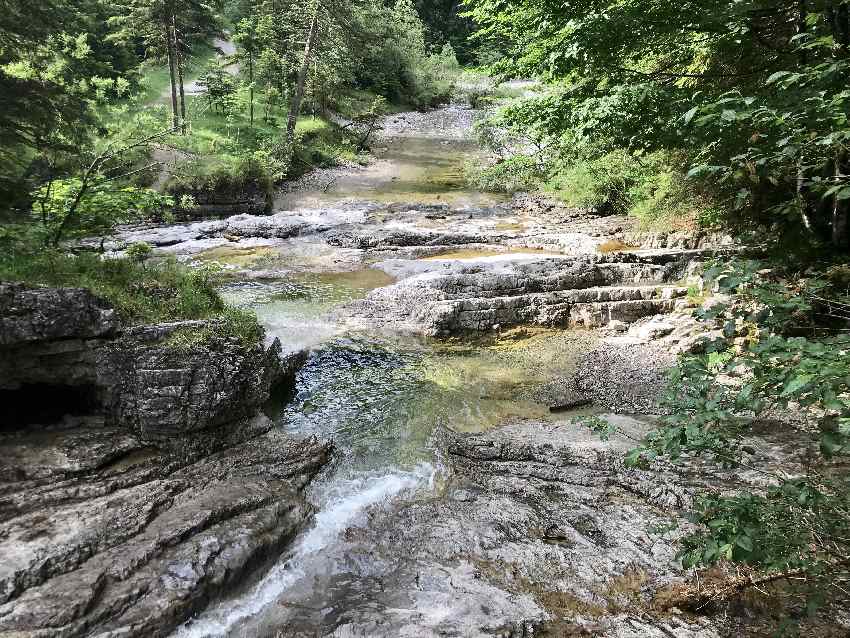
<point x="378" y="395"/>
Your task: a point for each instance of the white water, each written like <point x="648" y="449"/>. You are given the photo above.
<point x="344" y="504"/>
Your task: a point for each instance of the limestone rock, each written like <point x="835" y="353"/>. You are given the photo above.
<point x="170" y="488"/>
<point x="37" y="314"/>
<point x="139" y="539"/>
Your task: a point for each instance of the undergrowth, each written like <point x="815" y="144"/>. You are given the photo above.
<point x="139" y="292"/>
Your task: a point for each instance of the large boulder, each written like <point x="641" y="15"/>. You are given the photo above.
<point x="139" y="378"/>
<point x="159" y="390"/>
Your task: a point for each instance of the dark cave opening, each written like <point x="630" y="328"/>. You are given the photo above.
<point x="45" y="404"/>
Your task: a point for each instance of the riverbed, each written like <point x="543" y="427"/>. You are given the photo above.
<point x="379" y="394"/>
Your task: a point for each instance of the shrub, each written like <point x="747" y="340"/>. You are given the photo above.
<point x="228" y="176"/>
<point x="517" y="173"/>
<point x="654" y="188"/>
<point x="782" y="363"/>
<point x="139" y="252"/>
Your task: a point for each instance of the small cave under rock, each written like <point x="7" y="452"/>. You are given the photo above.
<point x="45" y="404"/>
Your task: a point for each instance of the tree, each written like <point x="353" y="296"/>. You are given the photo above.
<point x="446" y="25"/>
<point x="220" y="87"/>
<point x="298" y="93"/>
<point x="49" y="80"/>
<point x="193" y="22"/>
<point x="169" y="29"/>
<point x="247" y="40"/>
<point x="754" y="92"/>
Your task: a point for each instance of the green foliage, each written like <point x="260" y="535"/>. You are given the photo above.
<point x="402" y="68"/>
<point x="784" y="350"/>
<point x="606" y="185"/>
<point x="754" y="93"/>
<point x="220" y="87"/>
<point x="510" y="175"/>
<point x="445" y="25"/>
<point x="319" y="143"/>
<point x="233" y="324"/>
<point x="139" y="252"/>
<point x="71" y="208"/>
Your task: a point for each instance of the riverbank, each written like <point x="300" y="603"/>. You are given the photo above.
<point x="446" y="342"/>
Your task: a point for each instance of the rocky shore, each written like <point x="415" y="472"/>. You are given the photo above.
<point x="138" y="480"/>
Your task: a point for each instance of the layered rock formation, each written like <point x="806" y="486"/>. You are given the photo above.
<point x="138" y="476"/>
<point x="540" y="531"/>
<point x="590" y="291"/>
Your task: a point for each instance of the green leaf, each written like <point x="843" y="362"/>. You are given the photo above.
<point x="690" y="115"/>
<point x="796" y="384"/>
<point x="776" y="76"/>
<point x="844" y="193"/>
<point x="745" y="543"/>
<point x="832" y="444"/>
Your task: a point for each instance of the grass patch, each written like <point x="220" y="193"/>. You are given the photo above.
<point x="233" y="323"/>
<point x="155" y="83"/>
<point x="319" y="144"/>
<point x="140" y="293"/>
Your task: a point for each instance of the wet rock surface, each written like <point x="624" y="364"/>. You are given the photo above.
<point x="128" y="522"/>
<point x="128" y="539"/>
<point x="540" y="530"/>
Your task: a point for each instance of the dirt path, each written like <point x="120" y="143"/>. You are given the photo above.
<point x="226" y="48"/>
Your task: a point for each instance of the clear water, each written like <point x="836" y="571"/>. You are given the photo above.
<point x="380" y="397"/>
<point x="421" y="170"/>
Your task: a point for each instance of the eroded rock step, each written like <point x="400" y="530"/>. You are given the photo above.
<point x="541" y="531"/>
<point x="589" y="291"/>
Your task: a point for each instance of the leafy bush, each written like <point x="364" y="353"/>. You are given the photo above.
<point x="233" y="324"/>
<point x="228" y="176"/>
<point x="319" y="144"/>
<point x="75" y="207"/>
<point x="518" y="173"/>
<point x="606" y="185"/>
<point x="785" y="349"/>
<point x="139" y="252"/>
<point x="654" y="188"/>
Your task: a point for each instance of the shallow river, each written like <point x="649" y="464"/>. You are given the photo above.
<point x="378" y="395"/>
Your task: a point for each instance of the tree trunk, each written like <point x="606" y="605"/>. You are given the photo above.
<point x="251" y="88"/>
<point x="295" y="105"/>
<point x="802" y="27"/>
<point x="173" y="75"/>
<point x="804" y="198"/>
<point x="840" y="237"/>
<point x="839" y="19"/>
<point x="179" y="60"/>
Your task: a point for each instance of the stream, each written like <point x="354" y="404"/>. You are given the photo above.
<point x="377" y="394"/>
